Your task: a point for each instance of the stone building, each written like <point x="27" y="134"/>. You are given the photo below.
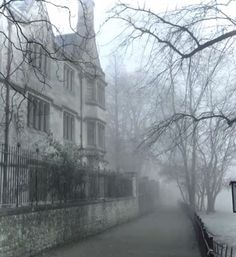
<point x="56" y="83"/>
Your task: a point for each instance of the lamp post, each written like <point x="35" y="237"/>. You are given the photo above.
<point x="233" y="187"/>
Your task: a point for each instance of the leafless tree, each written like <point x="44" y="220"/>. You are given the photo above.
<point x="216" y="149"/>
<point x="183" y="33"/>
<point x="191" y="89"/>
<point x="188" y="50"/>
<point x="129" y="116"/>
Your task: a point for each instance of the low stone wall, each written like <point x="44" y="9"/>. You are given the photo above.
<point x="27" y="233"/>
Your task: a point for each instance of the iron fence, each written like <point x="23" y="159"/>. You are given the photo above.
<point x="27" y="180"/>
<point x="209" y="247"/>
<point x="222" y="250"/>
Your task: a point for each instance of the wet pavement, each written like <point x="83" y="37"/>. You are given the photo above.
<point x="165" y="233"/>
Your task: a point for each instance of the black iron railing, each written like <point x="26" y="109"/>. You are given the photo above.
<point x="209" y="247"/>
<point x="26" y="180"/>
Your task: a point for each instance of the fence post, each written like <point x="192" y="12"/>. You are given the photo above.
<point x="5" y="164"/>
<point x="105" y="189"/>
<point x="36" y="176"/>
<point x="226" y="250"/>
<point x="97" y="183"/>
<point x="210" y="244"/>
<point x="17" y="174"/>
<point x="87" y="185"/>
<point x="101" y="185"/>
<point x="133" y="184"/>
<point x="51" y="181"/>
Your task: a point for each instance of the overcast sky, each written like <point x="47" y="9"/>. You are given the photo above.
<point x="109" y="31"/>
<point x="102" y="6"/>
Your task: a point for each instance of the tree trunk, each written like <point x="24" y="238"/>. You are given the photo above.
<point x="192" y="196"/>
<point x="202" y="201"/>
<point x="210" y="203"/>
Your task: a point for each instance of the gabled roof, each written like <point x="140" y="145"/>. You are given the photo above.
<point x="79" y="48"/>
<point x="68" y="42"/>
<point x="78" y="45"/>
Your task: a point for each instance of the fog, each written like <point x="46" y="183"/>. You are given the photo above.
<point x="117" y="126"/>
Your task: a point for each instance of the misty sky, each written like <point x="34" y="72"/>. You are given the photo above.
<point x="105" y="35"/>
<point x="107" y="32"/>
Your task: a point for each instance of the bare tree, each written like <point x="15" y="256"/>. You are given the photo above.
<point x="190" y="90"/>
<point x="183" y="33"/>
<point x="188" y="50"/>
<point x="129" y="116"/>
<point x="216" y="150"/>
<point x="184" y="30"/>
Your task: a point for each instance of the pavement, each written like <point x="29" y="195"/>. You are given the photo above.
<point x="165" y="233"/>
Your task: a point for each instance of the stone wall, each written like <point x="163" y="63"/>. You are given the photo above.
<point x="26" y="233"/>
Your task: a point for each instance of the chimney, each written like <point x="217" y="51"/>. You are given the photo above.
<point x="85" y="25"/>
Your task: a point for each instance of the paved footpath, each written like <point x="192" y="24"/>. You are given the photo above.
<point x="166" y="233"/>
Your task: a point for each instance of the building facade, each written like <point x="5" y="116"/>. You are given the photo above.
<point x="55" y="81"/>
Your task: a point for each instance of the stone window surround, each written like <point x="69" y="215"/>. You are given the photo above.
<point x="38" y="58"/>
<point x="68" y="77"/>
<point x="91" y="133"/>
<point x="98" y="100"/>
<point x="96" y="144"/>
<point x="68" y="126"/>
<point x="101" y="135"/>
<point x="101" y="97"/>
<point x="34" y="118"/>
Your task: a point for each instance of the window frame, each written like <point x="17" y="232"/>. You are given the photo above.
<point x="68" y="77"/>
<point x="91" y="94"/>
<point x="101" y="95"/>
<point x="101" y="137"/>
<point x="91" y="143"/>
<point x="96" y="134"/>
<point x="68" y="126"/>
<point x="38" y="113"/>
<point x="38" y="58"/>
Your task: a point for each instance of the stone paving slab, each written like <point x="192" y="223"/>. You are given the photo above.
<point x="165" y="233"/>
